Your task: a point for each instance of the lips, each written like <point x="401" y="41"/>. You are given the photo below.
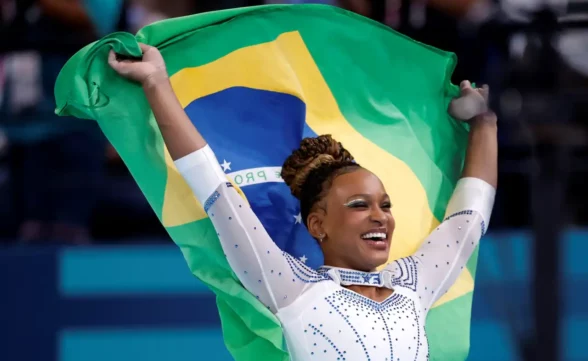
<point x="377" y="235"/>
<point x="374" y="236"/>
<point x="377" y="239"/>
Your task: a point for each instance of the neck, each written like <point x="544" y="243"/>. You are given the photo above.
<point x="370" y="284"/>
<point x="341" y="263"/>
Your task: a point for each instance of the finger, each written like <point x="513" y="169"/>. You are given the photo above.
<point x="485" y="91"/>
<point x="465" y="85"/>
<point x="114" y="64"/>
<point x="119" y="66"/>
<point x="144" y="47"/>
<point x="463" y="108"/>
<point x="111" y="57"/>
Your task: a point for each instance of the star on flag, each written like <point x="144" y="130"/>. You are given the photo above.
<point x="226" y="165"/>
<point x="297" y="218"/>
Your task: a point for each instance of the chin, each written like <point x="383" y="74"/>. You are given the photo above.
<point x="369" y="258"/>
<point x="374" y="261"/>
<point x="380" y="261"/>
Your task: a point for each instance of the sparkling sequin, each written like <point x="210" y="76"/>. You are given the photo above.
<point x="461" y="213"/>
<point x="328" y="340"/>
<point x="303" y="272"/>
<point x="211" y="200"/>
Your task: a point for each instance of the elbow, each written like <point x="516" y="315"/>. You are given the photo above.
<point x="202" y="172"/>
<point x="473" y="194"/>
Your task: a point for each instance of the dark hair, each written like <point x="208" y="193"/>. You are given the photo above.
<point x="309" y="171"/>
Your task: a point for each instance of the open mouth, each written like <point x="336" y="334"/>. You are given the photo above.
<point x="375" y="236"/>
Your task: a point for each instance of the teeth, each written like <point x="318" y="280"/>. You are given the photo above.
<point x="379" y="235"/>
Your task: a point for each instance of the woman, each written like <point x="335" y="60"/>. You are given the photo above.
<point x="346" y="310"/>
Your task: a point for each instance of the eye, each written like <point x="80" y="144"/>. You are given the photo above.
<point x="357" y="204"/>
<point x="387" y="206"/>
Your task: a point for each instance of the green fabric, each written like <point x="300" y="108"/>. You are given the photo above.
<point x="365" y="66"/>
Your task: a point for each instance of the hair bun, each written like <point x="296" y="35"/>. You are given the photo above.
<point x="312" y="153"/>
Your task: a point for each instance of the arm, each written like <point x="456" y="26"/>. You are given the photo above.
<point x="482" y="154"/>
<point x="273" y="276"/>
<point x="436" y="265"/>
<point x="180" y="135"/>
<point x="178" y="132"/>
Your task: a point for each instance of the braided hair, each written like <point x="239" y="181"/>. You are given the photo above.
<point x="310" y="170"/>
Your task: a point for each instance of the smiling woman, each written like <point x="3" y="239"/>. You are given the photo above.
<point x="345" y="310"/>
<point x="320" y="165"/>
<point x="346" y="307"/>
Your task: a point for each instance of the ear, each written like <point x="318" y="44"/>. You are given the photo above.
<point x="315" y="223"/>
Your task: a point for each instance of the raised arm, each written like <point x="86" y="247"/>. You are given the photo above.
<point x="273" y="276"/>
<point x="179" y="134"/>
<point x="436" y="265"/>
<point x="482" y="153"/>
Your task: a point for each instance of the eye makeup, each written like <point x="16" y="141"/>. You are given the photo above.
<point x="355" y="203"/>
<point x="362" y="203"/>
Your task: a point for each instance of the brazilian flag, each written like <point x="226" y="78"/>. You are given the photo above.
<point x="255" y="81"/>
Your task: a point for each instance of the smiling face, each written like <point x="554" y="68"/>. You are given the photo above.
<point x="355" y="218"/>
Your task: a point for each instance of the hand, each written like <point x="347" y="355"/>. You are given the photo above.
<point x="472" y="102"/>
<point x="145" y="71"/>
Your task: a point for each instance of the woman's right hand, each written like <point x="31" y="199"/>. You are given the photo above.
<point x="148" y="70"/>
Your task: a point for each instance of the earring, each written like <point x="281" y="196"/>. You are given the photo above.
<point x="321" y="237"/>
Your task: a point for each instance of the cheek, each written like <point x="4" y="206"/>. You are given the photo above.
<point x="391" y="222"/>
<point x="347" y="224"/>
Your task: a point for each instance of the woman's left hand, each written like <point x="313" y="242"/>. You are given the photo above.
<point x="471" y="102"/>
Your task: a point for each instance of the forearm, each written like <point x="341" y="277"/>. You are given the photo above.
<point x="179" y="134"/>
<point x="445" y="253"/>
<point x="482" y="152"/>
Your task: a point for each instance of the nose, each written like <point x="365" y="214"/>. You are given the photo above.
<point x="378" y="215"/>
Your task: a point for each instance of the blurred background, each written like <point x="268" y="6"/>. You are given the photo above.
<point x="88" y="273"/>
